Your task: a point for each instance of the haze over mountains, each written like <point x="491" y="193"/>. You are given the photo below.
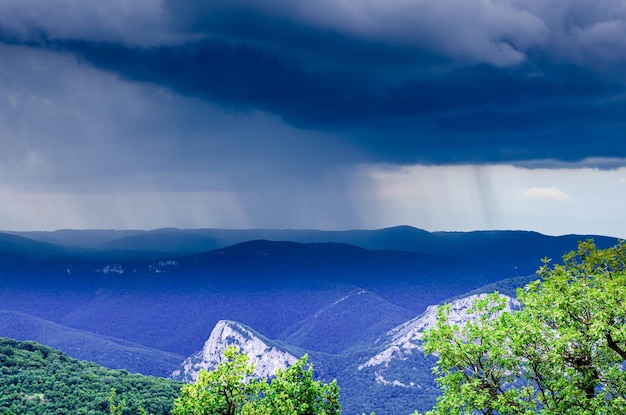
<point x="146" y="300"/>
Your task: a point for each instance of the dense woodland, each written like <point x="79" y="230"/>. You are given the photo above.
<point x="40" y="380"/>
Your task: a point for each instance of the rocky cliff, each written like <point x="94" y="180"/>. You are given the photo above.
<point x="266" y="357"/>
<point x="405" y="341"/>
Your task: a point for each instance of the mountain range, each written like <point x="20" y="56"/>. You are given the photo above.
<point x="156" y="302"/>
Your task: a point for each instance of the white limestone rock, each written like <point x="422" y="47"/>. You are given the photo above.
<point x="405" y="339"/>
<point x="267" y="359"/>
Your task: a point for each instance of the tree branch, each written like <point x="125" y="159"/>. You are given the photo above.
<point x="614" y="346"/>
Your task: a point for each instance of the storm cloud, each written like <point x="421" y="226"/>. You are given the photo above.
<point x="288" y="105"/>
<point x="405" y="81"/>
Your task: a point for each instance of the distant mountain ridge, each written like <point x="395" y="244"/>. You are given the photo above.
<point x="342" y="297"/>
<point x="508" y="249"/>
<point x="112" y="292"/>
<point x="269" y="285"/>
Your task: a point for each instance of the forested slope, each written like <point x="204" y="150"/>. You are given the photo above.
<point x="37" y="380"/>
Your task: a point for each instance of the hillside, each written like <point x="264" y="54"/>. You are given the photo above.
<point x="109" y="352"/>
<point x="275" y="287"/>
<point x="40" y="380"/>
<point x="350" y="323"/>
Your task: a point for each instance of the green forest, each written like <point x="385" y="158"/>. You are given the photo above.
<point x="38" y="380"/>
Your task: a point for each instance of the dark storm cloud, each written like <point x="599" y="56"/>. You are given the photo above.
<point x="406" y="81"/>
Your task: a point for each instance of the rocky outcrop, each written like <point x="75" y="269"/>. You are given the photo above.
<point x="402" y="341"/>
<point x="266" y="357"/>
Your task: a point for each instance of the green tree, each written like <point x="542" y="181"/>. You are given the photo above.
<point x="293" y="391"/>
<point x="223" y="391"/>
<point x="231" y="389"/>
<point x="562" y="352"/>
<point x="116" y="409"/>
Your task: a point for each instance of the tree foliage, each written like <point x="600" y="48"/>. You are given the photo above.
<point x="36" y="379"/>
<point x="231" y="389"/>
<point x="293" y="391"/>
<point x="223" y="391"/>
<point x="562" y="352"/>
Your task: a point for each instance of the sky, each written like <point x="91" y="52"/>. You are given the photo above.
<point x="449" y="115"/>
